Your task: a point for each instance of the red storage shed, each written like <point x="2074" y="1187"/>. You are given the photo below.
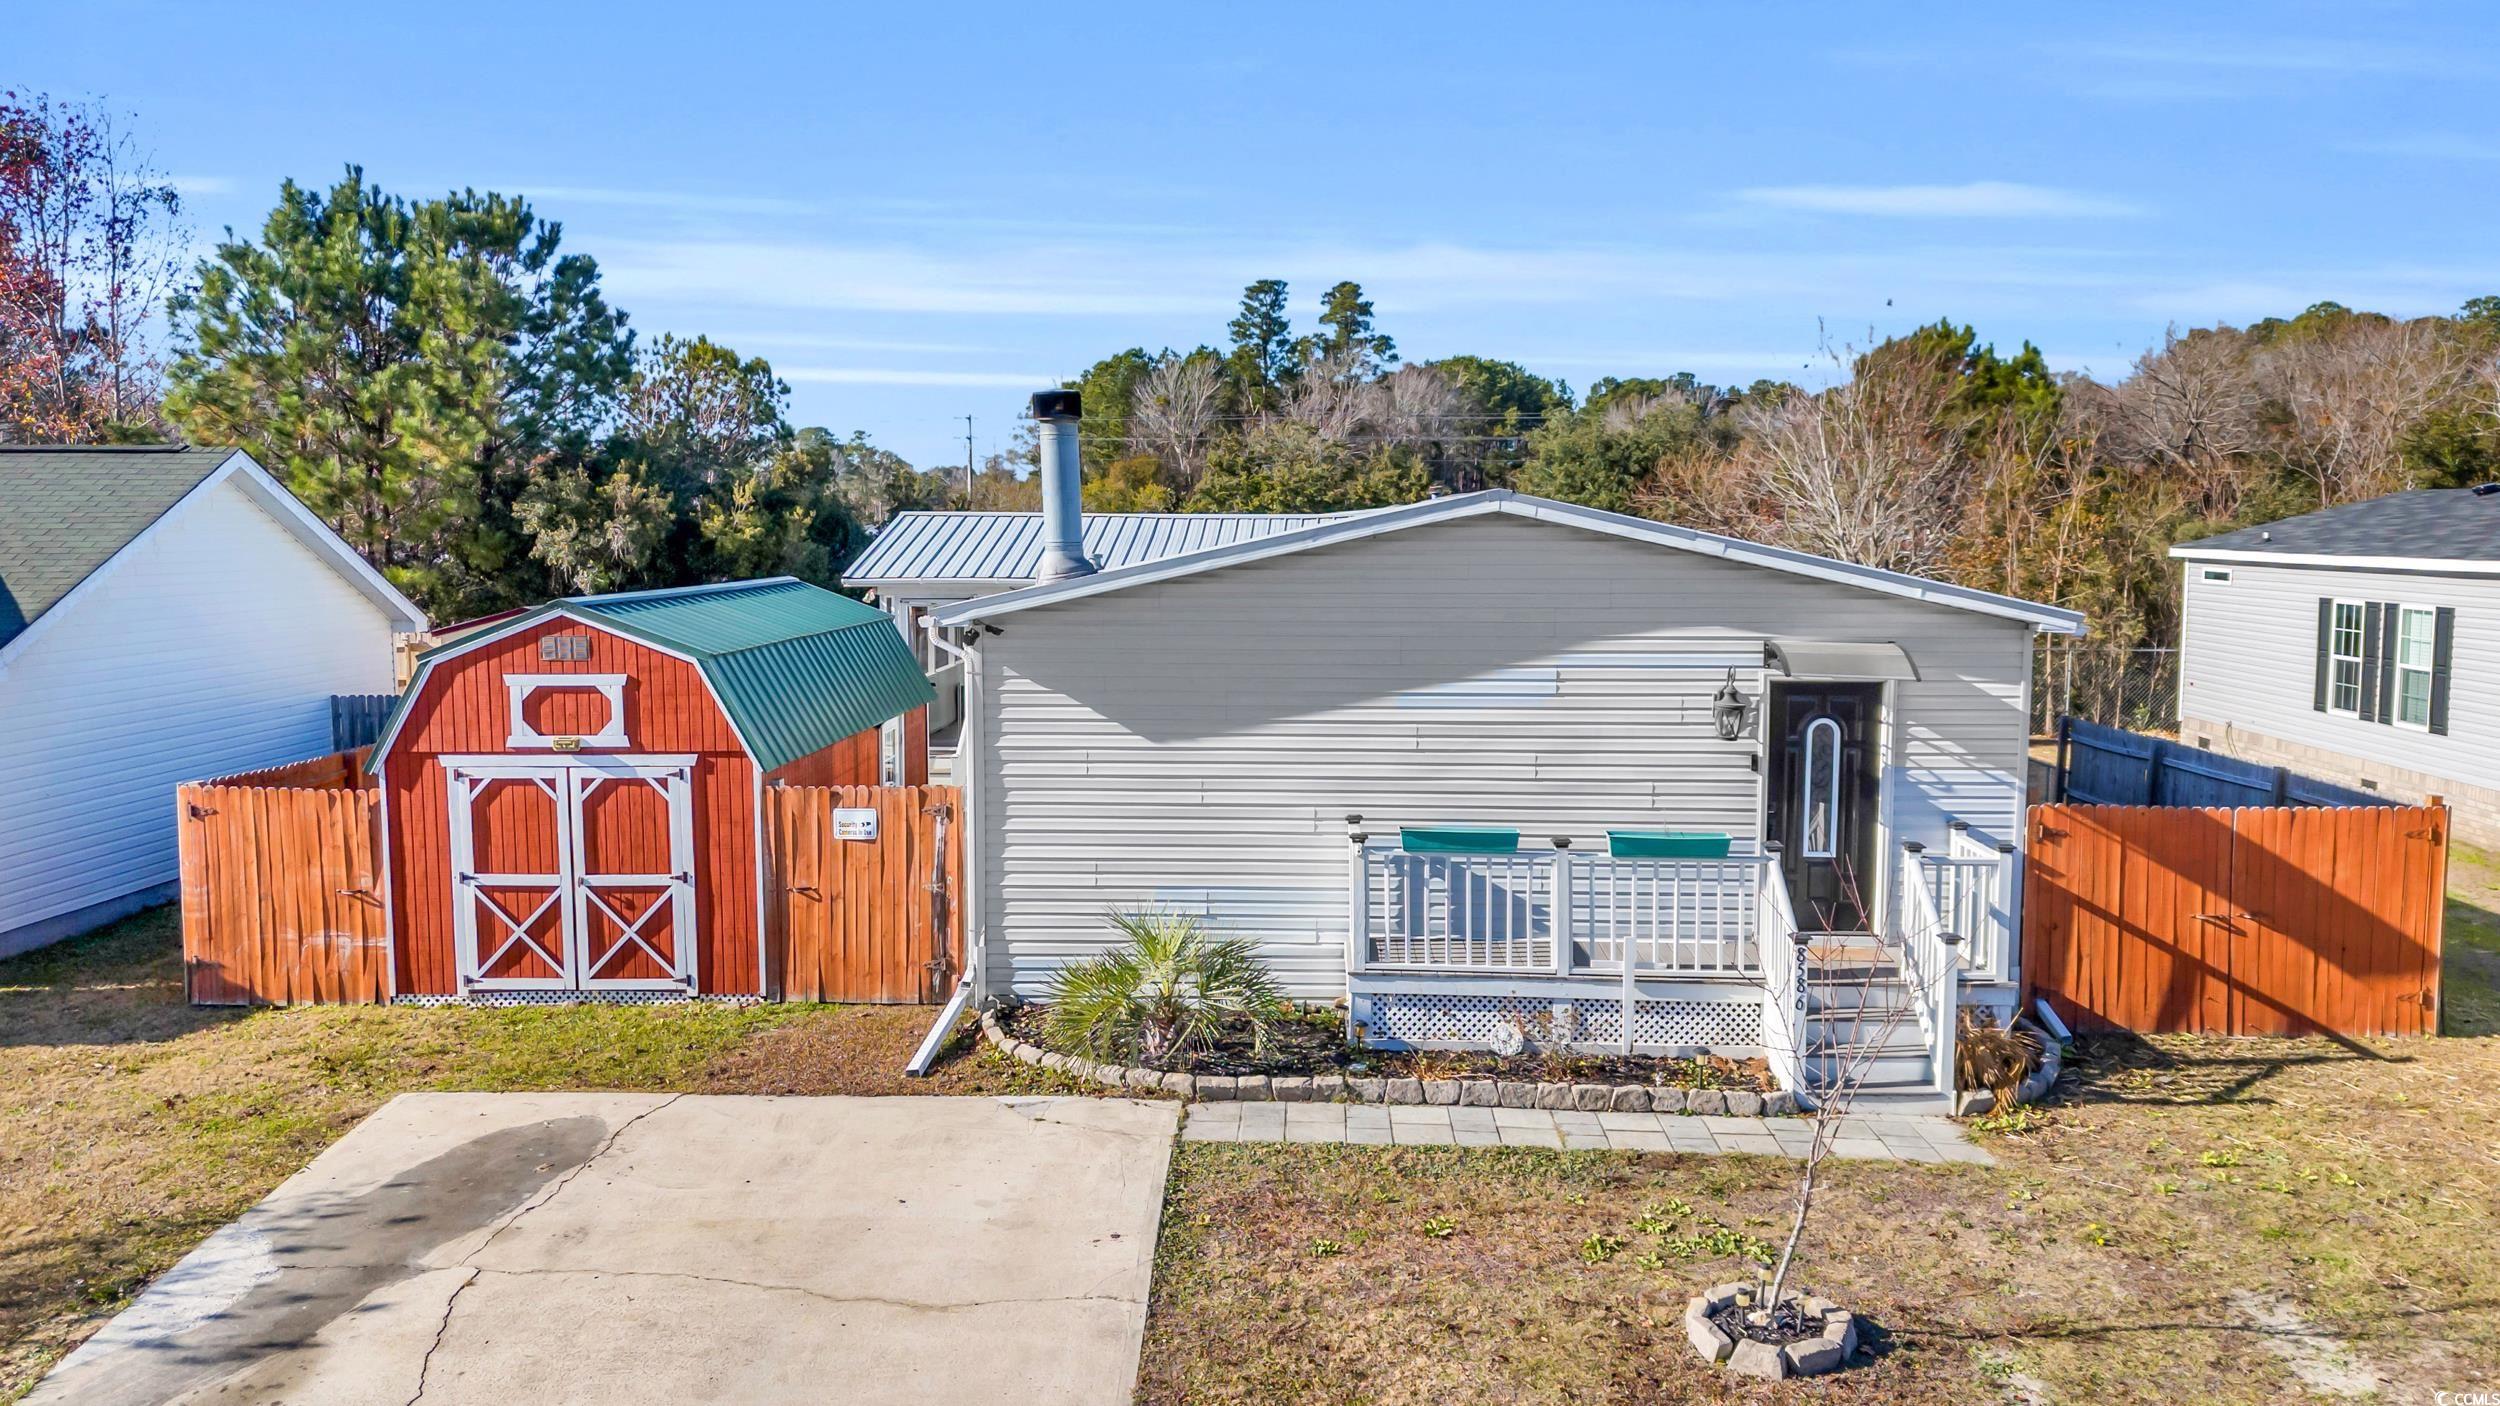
<point x="571" y="797"/>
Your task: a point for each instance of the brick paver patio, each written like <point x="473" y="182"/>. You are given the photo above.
<point x="1898" y="1137"/>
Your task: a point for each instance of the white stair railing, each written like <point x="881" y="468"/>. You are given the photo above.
<point x="1784" y="985"/>
<point x="1930" y="965"/>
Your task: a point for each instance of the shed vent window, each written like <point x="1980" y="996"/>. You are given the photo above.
<point x="2344" y="696"/>
<point x="564" y="648"/>
<point x="2217" y="573"/>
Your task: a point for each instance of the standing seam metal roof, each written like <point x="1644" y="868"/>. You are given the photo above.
<point x="797" y="667"/>
<point x="989" y="547"/>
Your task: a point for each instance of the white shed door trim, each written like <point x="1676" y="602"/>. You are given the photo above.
<point x="498" y="915"/>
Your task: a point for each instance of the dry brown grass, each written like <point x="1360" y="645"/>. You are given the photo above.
<point x="132" y="1124"/>
<point x="2109" y="1257"/>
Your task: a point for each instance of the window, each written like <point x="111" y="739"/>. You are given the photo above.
<point x="2217" y="573"/>
<point x="2417" y="633"/>
<point x="1820" y="805"/>
<point x="2344" y="653"/>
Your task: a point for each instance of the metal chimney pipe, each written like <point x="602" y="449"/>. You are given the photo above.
<point x="1063" y="499"/>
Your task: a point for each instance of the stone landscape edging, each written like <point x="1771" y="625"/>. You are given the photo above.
<point x="1341" y="1088"/>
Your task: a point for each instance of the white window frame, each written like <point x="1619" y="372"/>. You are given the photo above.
<point x="610" y="686"/>
<point x="2358" y="658"/>
<point x="1828" y="730"/>
<point x="2217" y="573"/>
<point x="2427" y="670"/>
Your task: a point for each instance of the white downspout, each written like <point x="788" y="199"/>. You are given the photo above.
<point x="968" y="987"/>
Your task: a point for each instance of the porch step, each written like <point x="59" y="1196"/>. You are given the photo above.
<point x="1884" y="1067"/>
<point x="1880" y="1101"/>
<point x="1901" y="1035"/>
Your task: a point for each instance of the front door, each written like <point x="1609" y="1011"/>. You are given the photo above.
<point x="1821" y="798"/>
<point x="574" y="875"/>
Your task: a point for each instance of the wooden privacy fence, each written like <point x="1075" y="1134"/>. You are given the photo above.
<point x="2268" y="920"/>
<point x="863" y="919"/>
<point x="281" y="885"/>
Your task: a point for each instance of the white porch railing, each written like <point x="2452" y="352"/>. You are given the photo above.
<point x="1971" y="889"/>
<point x="1498" y="913"/>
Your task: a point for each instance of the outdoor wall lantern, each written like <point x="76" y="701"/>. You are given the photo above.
<point x="1727" y="709"/>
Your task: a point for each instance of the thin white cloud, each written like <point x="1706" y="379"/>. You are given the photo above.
<point x="819" y="341"/>
<point x="200" y="185"/>
<point x="2289" y="54"/>
<point x="895" y="376"/>
<point x="1970" y="200"/>
<point x="2427" y="146"/>
<point x="690" y="202"/>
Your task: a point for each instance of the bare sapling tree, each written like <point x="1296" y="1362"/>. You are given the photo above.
<point x="1847" y="972"/>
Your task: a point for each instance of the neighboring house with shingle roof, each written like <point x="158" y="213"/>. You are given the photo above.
<point x="166" y="613"/>
<point x="2359" y="644"/>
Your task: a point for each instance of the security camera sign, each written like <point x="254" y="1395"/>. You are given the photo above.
<point x="854" y="823"/>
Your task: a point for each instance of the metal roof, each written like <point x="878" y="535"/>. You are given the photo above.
<point x="990" y="548"/>
<point x="66" y="511"/>
<point x="1355" y="527"/>
<point x="2423" y="527"/>
<point x="797" y="667"/>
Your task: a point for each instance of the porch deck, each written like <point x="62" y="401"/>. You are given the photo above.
<point x="1651" y="956"/>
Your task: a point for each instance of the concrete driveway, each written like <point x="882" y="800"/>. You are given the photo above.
<point x="545" y="1248"/>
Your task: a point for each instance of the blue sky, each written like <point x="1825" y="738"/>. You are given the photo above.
<point x="923" y="212"/>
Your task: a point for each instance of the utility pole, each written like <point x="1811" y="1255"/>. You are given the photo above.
<point x="967" y="463"/>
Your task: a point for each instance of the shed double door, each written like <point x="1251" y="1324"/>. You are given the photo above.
<point x="573" y="875"/>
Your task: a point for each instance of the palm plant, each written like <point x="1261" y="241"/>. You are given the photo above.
<point x="1162" y="993"/>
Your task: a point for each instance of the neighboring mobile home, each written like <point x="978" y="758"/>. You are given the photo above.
<point x="166" y="613"/>
<point x="572" y="796"/>
<point x="2359" y="644"/>
<point x="1361" y="743"/>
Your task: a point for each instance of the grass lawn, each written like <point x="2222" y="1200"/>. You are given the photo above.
<point x="132" y="1124"/>
<point x="2192" y="1217"/>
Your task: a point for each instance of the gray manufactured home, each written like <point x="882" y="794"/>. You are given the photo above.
<point x="2359" y="645"/>
<point x="1489" y="759"/>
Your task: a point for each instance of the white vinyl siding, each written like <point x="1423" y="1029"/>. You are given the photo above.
<point x="212" y="647"/>
<point x="1198" y="743"/>
<point x="2248" y="660"/>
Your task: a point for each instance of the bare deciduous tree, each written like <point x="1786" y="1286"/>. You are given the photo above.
<point x="2351" y="394"/>
<point x="1869" y="471"/>
<point x="1174" y="413"/>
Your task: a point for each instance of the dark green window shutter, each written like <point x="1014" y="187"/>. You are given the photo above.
<point x="2390" y="619"/>
<point x="2443" y="639"/>
<point x="2326" y="640"/>
<point x="2370" y="633"/>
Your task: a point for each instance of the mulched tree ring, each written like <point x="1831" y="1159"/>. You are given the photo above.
<point x="1800" y="1336"/>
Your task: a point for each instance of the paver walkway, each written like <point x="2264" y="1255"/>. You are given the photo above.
<point x="1898" y="1137"/>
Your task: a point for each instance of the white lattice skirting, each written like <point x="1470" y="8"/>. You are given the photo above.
<point x="576" y="998"/>
<point x="1447" y="1020"/>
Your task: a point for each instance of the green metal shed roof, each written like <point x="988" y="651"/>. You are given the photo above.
<point x="798" y="667"/>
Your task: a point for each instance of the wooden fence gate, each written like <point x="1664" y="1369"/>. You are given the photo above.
<point x="281" y="885"/>
<point x="2248" y="921"/>
<point x="857" y="919"/>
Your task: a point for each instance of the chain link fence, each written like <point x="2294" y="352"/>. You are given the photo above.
<point x="2135" y="689"/>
